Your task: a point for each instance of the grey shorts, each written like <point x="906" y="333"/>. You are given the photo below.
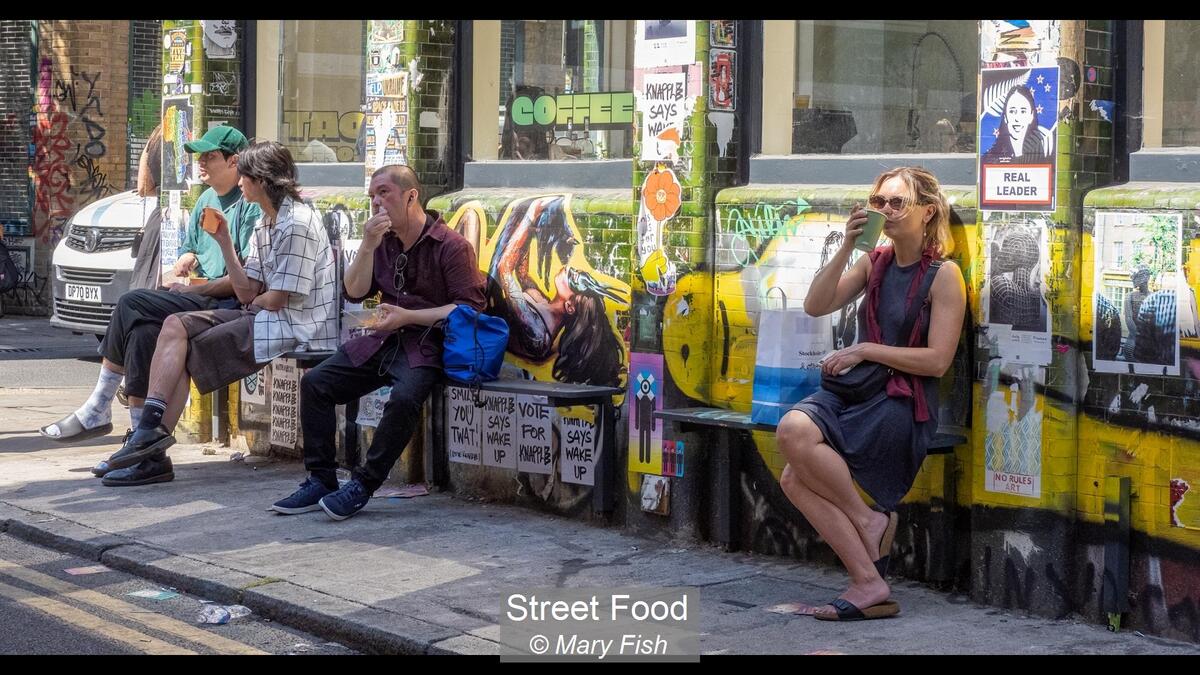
<point x="220" y="346"/>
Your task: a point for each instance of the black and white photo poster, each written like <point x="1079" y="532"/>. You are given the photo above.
<point x="1016" y="313"/>
<point x="1135" y="288"/>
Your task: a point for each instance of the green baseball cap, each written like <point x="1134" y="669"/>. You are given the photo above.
<point x="223" y="137"/>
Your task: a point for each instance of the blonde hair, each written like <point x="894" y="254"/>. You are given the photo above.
<point x="924" y="189"/>
<point x="150" y="165"/>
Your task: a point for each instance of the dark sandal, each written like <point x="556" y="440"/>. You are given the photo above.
<point x="72" y="430"/>
<point x="848" y="612"/>
<point x="885" y="544"/>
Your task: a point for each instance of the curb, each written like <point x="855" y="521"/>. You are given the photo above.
<point x="359" y="626"/>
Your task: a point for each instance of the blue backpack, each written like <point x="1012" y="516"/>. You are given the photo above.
<point x="474" y="345"/>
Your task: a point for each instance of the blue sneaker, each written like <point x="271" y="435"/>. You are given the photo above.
<point x="347" y="501"/>
<point x="303" y="500"/>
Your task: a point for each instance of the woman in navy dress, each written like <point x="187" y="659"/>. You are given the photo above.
<point x="831" y="444"/>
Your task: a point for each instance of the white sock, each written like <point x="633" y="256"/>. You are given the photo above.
<point x="98" y="409"/>
<point x="135" y="416"/>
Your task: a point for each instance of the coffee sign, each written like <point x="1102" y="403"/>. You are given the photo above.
<point x="600" y="110"/>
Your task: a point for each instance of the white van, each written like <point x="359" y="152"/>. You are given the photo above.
<point x="93" y="263"/>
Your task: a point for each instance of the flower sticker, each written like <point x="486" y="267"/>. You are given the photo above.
<point x="661" y="193"/>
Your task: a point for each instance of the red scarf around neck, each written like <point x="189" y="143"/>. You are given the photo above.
<point x="899" y="384"/>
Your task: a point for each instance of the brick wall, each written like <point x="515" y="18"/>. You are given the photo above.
<point x="80" y="96"/>
<point x="15" y="103"/>
<point x="432" y="142"/>
<point x="145" y="88"/>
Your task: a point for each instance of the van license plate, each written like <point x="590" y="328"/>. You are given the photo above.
<point x="83" y="293"/>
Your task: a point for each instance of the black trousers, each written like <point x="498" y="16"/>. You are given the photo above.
<point x="336" y="382"/>
<point x="134" y="327"/>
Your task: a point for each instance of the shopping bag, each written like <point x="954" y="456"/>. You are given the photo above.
<point x="790" y="345"/>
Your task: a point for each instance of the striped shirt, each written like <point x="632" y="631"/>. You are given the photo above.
<point x="294" y="255"/>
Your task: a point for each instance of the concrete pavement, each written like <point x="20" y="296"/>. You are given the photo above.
<point x="425" y="575"/>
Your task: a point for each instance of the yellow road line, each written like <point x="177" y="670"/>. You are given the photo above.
<point x="90" y="623"/>
<point x="165" y="624"/>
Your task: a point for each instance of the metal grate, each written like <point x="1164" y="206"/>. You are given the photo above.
<point x="86" y="276"/>
<point x="19" y="350"/>
<point x="77" y="312"/>
<point x="109" y="239"/>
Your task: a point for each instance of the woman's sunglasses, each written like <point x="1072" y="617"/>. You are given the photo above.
<point x="877" y="202"/>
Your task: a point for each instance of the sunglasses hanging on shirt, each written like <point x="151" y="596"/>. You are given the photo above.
<point x="398" y="279"/>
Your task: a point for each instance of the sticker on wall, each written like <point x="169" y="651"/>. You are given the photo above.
<point x="220" y="38"/>
<point x="661" y="195"/>
<point x="1104" y="109"/>
<point x="722" y="33"/>
<point x="1136" y="284"/>
<point x="672" y="458"/>
<point x="664" y="43"/>
<point x="665" y="103"/>
<point x="645" y="398"/>
<point x="254" y="388"/>
<point x="463" y="422"/>
<point x="1019" y="42"/>
<point x="656" y="495"/>
<point x="723" y="121"/>
<point x="499" y="421"/>
<point x="535" y="435"/>
<point x="1016" y="314"/>
<point x="285" y="402"/>
<point x="1185" y="502"/>
<point x="580" y="450"/>
<point x="177" y="131"/>
<point x="370" y="407"/>
<point x="661" y="198"/>
<point x="1013" y="443"/>
<point x="386" y="30"/>
<point x="1018" y="129"/>
<point x="178" y="50"/>
<point x="722" y="69"/>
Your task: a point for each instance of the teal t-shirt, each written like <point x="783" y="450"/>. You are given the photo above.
<point x="241" y="215"/>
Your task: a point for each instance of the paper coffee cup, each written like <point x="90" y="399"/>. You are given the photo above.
<point x="869" y="237"/>
<point x="209" y="220"/>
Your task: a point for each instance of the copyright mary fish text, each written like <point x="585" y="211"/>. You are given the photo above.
<point x="597" y="624"/>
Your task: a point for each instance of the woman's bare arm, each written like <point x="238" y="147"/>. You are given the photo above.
<point x="949" y="299"/>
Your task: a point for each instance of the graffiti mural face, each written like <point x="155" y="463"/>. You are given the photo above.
<point x="561" y="312"/>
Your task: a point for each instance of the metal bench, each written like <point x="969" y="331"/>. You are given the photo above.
<point x="556" y="394"/>
<point x="726" y="463"/>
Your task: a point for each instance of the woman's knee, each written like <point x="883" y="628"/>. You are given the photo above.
<point x="797" y="432"/>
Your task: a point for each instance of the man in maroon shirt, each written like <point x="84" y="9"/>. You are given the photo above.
<point x="423" y="269"/>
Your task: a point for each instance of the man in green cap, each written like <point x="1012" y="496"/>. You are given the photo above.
<point x="129" y="342"/>
<point x="216" y="156"/>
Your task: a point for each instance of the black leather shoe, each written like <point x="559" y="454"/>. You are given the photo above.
<point x="143" y="444"/>
<point x="102" y="468"/>
<point x="153" y="470"/>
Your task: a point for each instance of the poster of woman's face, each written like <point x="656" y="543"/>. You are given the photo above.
<point x="1135" y="316"/>
<point x="1017" y="135"/>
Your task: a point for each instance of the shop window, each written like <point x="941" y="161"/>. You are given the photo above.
<point x="323" y="90"/>
<point x="868" y="87"/>
<point x="1181" y="84"/>
<point x="566" y="90"/>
